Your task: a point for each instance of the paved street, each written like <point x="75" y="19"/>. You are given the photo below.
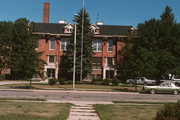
<point x="86" y="96"/>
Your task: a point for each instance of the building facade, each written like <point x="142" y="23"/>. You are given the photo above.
<point x="107" y="44"/>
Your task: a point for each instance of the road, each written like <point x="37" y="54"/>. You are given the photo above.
<point x="87" y="96"/>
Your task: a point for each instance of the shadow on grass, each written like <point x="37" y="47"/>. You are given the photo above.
<point x="24" y="87"/>
<point x="124" y="90"/>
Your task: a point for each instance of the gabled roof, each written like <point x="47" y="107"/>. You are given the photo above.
<point x="113" y="29"/>
<point x="52" y="28"/>
<point x="94" y="26"/>
<point x="56" y="28"/>
<point x="69" y="26"/>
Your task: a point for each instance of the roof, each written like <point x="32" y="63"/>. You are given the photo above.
<point x="52" y="28"/>
<point x="113" y="29"/>
<point x="56" y="28"/>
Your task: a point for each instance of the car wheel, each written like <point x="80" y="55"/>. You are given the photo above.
<point x="176" y="92"/>
<point x="145" y="83"/>
<point x="153" y="91"/>
<point x="177" y="84"/>
<point x="131" y="83"/>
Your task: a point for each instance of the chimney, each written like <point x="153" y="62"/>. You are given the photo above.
<point x="99" y="23"/>
<point x="46" y="12"/>
<point x="62" y="21"/>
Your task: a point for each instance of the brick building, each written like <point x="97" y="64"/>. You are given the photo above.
<point x="107" y="45"/>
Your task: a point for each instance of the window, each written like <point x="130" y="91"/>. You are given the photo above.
<point x="51" y="59"/>
<point x="97" y="62"/>
<point x="51" y="73"/>
<point x="98" y="76"/>
<point x="69" y="30"/>
<point x="97" y="45"/>
<point x="109" y="73"/>
<point x="110" y="45"/>
<point x="109" y="61"/>
<point x="64" y="44"/>
<point x="52" y="43"/>
<point x="92" y="76"/>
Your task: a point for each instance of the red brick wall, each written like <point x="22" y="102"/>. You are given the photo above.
<point x="46" y="12"/>
<point x="44" y="46"/>
<point x="117" y="47"/>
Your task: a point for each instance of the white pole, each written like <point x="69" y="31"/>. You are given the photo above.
<point x="82" y="36"/>
<point x="74" y="65"/>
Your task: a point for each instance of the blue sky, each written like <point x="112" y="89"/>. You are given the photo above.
<point x="111" y="12"/>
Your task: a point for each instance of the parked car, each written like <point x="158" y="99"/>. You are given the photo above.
<point x="162" y="88"/>
<point x="141" y="81"/>
<point x="172" y="79"/>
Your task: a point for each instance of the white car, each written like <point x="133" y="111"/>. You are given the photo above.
<point x="141" y="81"/>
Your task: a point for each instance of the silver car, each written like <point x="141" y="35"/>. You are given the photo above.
<point x="162" y="88"/>
<point x="141" y="81"/>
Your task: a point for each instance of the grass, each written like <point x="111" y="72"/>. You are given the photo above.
<point x="33" y="111"/>
<point x="124" y="88"/>
<point x="27" y="99"/>
<point x="139" y="102"/>
<point x="131" y="111"/>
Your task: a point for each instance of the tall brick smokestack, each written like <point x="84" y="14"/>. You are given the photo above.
<point x="46" y="12"/>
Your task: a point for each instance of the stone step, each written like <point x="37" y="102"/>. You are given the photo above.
<point x="83" y="118"/>
<point x="80" y="110"/>
<point x="82" y="114"/>
<point x="75" y="107"/>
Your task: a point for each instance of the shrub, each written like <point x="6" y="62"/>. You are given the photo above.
<point x="52" y="81"/>
<point x="107" y="81"/>
<point x="2" y="77"/>
<point x="169" y="112"/>
<point x="62" y="80"/>
<point x="115" y="82"/>
<point x="68" y="82"/>
<point x="97" y="81"/>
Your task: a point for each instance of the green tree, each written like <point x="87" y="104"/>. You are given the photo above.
<point x="25" y="61"/>
<point x="5" y="43"/>
<point x="87" y="46"/>
<point x="154" y="52"/>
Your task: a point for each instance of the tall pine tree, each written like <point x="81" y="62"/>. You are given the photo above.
<point x="87" y="46"/>
<point x="155" y="52"/>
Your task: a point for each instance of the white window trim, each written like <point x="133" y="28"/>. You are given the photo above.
<point x="113" y="61"/>
<point x="108" y="46"/>
<point x="97" y="44"/>
<point x="66" y="44"/>
<point x="54" y="58"/>
<point x="50" y="44"/>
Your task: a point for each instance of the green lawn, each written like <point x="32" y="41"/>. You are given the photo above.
<point x="127" y="111"/>
<point x="33" y="111"/>
<point x="124" y="88"/>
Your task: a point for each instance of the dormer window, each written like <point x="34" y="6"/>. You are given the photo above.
<point x="68" y="28"/>
<point x="94" y="29"/>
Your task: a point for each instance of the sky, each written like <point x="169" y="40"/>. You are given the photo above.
<point x="111" y="12"/>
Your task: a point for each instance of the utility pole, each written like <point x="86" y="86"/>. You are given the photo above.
<point x="74" y="64"/>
